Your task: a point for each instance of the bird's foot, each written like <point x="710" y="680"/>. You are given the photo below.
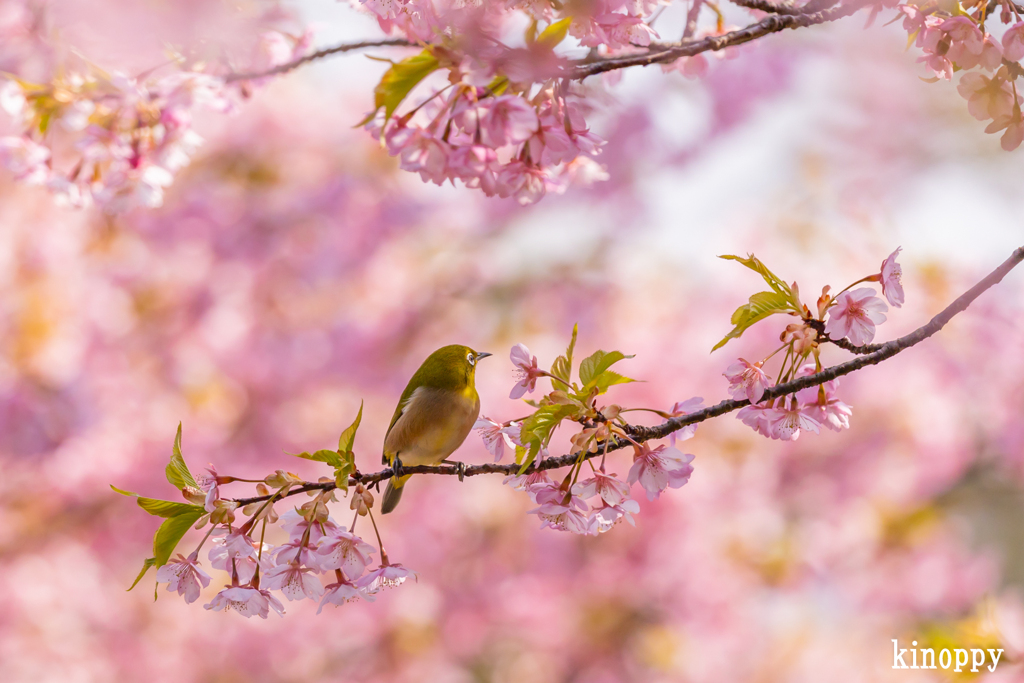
<point x="396" y="467"/>
<point x="460" y="468"/>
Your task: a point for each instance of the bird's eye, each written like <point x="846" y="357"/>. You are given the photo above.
<point x="470" y="358"/>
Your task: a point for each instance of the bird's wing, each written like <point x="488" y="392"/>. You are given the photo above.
<point x="403" y="403"/>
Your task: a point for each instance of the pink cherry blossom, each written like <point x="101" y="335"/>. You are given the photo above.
<point x="385" y="576"/>
<point x="562" y="517"/>
<point x="746" y="380"/>
<point x="345" y="551"/>
<point x="296" y="526"/>
<point x="26" y="159"/>
<point x="964" y="37"/>
<point x="987" y="98"/>
<point x="690" y="405"/>
<point x="892" y="279"/>
<point x="507" y="120"/>
<point x="523" y="182"/>
<point x="236" y="552"/>
<point x="294" y="581"/>
<point x="786" y="424"/>
<point x="611" y="490"/>
<point x="602" y="519"/>
<point x="496" y="436"/>
<point x="855" y="315"/>
<point x="1013" y="127"/>
<point x="659" y="468"/>
<point x="526" y="482"/>
<point x="246" y="601"/>
<point x="1013" y="42"/>
<point x="184" y="576"/>
<point x="297" y="550"/>
<point x="340" y="593"/>
<point x="526" y="372"/>
<point x="755" y="417"/>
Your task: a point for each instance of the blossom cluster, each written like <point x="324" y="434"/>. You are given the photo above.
<point x="957" y="40"/>
<point x="852" y="315"/>
<point x="102" y="138"/>
<point x="563" y="505"/>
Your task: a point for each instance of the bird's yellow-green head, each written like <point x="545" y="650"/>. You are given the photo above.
<point x="450" y="367"/>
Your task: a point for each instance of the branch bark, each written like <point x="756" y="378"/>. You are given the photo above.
<point x="641" y="434"/>
<point x="319" y="54"/>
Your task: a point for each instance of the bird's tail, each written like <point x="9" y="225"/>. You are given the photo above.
<point x="393" y="494"/>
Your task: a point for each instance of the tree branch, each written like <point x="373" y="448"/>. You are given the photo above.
<point x="319" y="54"/>
<point x="773" y="23"/>
<point x="773" y="6"/>
<point x="641" y="434"/>
<point x="782" y="16"/>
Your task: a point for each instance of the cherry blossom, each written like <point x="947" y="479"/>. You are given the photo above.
<point x="341" y="592"/>
<point x="659" y="468"/>
<point x="690" y="405"/>
<point x="496" y="436"/>
<point x="855" y="315"/>
<point x="611" y="490"/>
<point x="603" y="519"/>
<point x="987" y="98"/>
<point x="746" y="380"/>
<point x="756" y="417"/>
<point x="342" y="550"/>
<point x="526" y="372"/>
<point x="388" y="575"/>
<point x="294" y="581"/>
<point x="786" y="424"/>
<point x="246" y="601"/>
<point x="236" y="552"/>
<point x="561" y="512"/>
<point x="1013" y="42"/>
<point x="892" y="279"/>
<point x="184" y="576"/>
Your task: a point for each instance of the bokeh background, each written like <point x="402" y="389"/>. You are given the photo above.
<point x="295" y="271"/>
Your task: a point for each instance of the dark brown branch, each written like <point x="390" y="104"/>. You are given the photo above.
<point x="641" y="434"/>
<point x="668" y="53"/>
<point x="772" y="6"/>
<point x="319" y="54"/>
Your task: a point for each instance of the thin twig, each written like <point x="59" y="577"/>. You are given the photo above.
<point x="691" y="19"/>
<point x="641" y="434"/>
<point x="319" y="54"/>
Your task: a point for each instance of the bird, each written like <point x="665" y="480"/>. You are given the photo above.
<point x="434" y="416"/>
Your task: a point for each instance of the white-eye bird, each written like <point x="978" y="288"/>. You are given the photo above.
<point x="434" y="416"/>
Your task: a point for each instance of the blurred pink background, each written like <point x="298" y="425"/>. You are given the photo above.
<point x="295" y="271"/>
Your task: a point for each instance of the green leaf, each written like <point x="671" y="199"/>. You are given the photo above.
<point x="596" y="363"/>
<point x="170" y="532"/>
<point x="537" y="428"/>
<point x="760" y="306"/>
<point x="562" y="367"/>
<point x="348" y="437"/>
<point x="150" y="562"/>
<point x="555" y="33"/>
<point x="534" y="450"/>
<point x="123" y="492"/>
<point x="177" y="471"/>
<point x="773" y="280"/>
<point x="161" y="508"/>
<point x="609" y="379"/>
<point x="400" y="79"/>
<point x="166" y="508"/>
<point x="330" y="457"/>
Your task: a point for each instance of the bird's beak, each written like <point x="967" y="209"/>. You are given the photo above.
<point x="482" y="355"/>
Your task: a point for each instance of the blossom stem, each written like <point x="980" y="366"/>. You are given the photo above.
<point x="380" y="543"/>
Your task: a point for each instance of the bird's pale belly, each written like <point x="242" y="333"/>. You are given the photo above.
<point x="431" y="428"/>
